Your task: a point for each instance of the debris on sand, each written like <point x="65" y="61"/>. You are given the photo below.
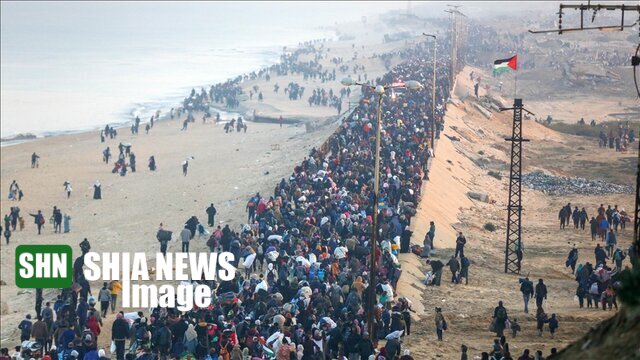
<point x="560" y="185"/>
<point x="480" y="196"/>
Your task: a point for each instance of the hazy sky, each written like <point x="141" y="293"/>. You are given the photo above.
<point x="60" y="24"/>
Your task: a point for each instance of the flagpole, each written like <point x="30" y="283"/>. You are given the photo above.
<point x="515" y="84"/>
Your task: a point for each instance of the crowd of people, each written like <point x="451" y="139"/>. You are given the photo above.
<point x="321" y="97"/>
<point x="618" y="139"/>
<point x="598" y="280"/>
<point x="306" y="247"/>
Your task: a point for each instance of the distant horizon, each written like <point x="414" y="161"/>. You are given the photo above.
<point x="129" y="57"/>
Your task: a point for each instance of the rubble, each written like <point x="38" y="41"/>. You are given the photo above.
<point x="480" y="196"/>
<point x="560" y="185"/>
<point x="482" y="110"/>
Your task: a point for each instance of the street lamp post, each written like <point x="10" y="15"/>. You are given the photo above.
<point x="433" y="95"/>
<point x="379" y="90"/>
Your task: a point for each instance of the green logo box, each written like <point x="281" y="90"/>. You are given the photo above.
<point x="44" y="266"/>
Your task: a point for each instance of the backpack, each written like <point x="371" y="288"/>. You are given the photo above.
<point x="141" y="332"/>
<point x="164" y="337"/>
<point x="164" y="235"/>
<point x="501" y="314"/>
<point x="26" y="327"/>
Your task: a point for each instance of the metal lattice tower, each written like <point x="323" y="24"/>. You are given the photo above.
<point x="514" y="219"/>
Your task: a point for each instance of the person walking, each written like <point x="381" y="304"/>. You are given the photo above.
<point x="562" y="215"/>
<point x="25" y="328"/>
<point x="612" y="241"/>
<point x="572" y="259"/>
<point x="432" y="234"/>
<point x="541" y="292"/>
<point x="106" y="155"/>
<point x="116" y="288"/>
<point x="119" y="334"/>
<point x="441" y="323"/>
<point x="57" y="220"/>
<point x="526" y="288"/>
<point x="211" y="215"/>
<point x="464" y="269"/>
<point x="593" y="223"/>
<point x="163" y="236"/>
<point x="553" y="324"/>
<point x="152" y="163"/>
<point x="583" y="218"/>
<point x="252" y="206"/>
<point x="40" y="332"/>
<point x="34" y="160"/>
<point x="66" y="223"/>
<point x="500" y="316"/>
<point x="460" y="242"/>
<point x="185" y="167"/>
<point x="104" y="296"/>
<point x="7" y="234"/>
<point x="600" y="254"/>
<point x="97" y="190"/>
<point x="185" y="236"/>
<point x="67" y="188"/>
<point x="38" y="219"/>
<point x="454" y="266"/>
<point x="541" y="319"/>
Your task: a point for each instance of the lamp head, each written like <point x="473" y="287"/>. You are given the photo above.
<point x="347" y="81"/>
<point x="379" y="89"/>
<point x="413" y="85"/>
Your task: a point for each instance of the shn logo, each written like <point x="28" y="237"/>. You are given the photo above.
<point x="43" y="266"/>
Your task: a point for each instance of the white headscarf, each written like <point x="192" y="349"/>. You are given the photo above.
<point x="191" y="333"/>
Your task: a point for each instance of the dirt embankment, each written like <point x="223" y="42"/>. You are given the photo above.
<point x="470" y="147"/>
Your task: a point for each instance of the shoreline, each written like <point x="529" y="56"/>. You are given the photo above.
<point x="134" y="107"/>
<point x="6" y="142"/>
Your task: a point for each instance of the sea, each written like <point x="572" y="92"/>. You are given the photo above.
<point x="76" y="66"/>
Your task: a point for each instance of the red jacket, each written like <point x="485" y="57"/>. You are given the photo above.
<point x="93" y="325"/>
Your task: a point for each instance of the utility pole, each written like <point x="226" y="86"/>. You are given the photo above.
<point x="513" y="252"/>
<point x="455" y="41"/>
<point x="452" y="63"/>
<point x="433" y="97"/>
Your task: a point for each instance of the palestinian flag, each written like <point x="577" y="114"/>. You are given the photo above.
<point x="500" y="66"/>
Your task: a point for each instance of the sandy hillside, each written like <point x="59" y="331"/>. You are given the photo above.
<point x="469" y="308"/>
